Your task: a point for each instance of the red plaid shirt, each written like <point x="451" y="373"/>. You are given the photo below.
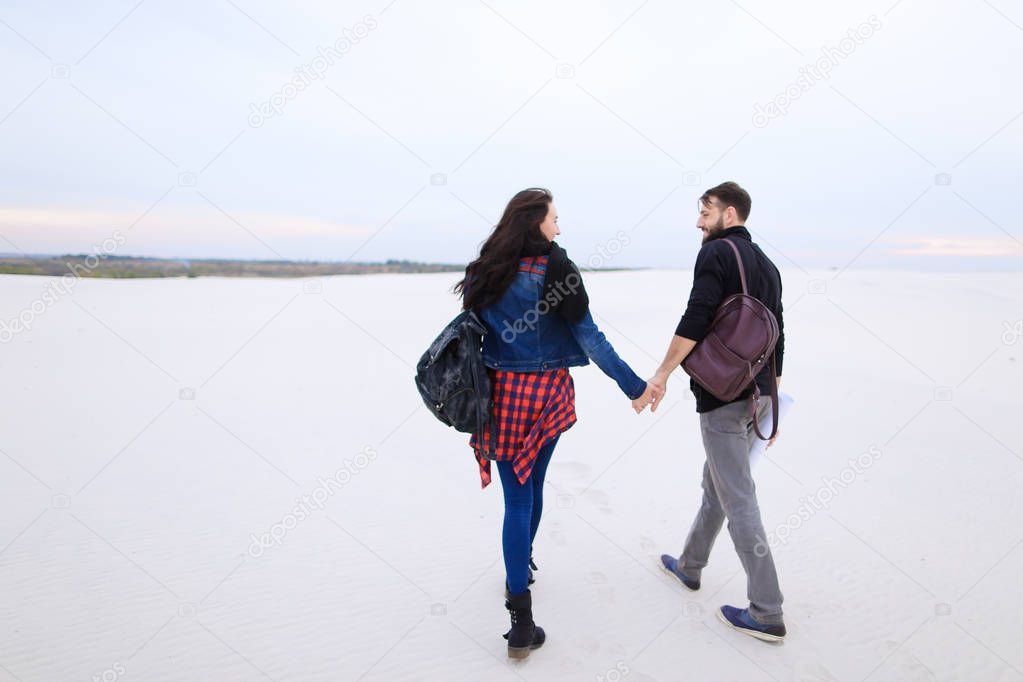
<point x="531" y="408"/>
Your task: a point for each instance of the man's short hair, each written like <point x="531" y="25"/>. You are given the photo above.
<point x="729" y="194"/>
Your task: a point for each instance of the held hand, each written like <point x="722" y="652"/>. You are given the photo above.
<point x="651" y="396"/>
<point x="771" y="442"/>
<point x="640" y="403"/>
<point x="659" y="384"/>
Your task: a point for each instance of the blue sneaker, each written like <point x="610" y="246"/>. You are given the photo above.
<point x="739" y="619"/>
<point x="670" y="564"/>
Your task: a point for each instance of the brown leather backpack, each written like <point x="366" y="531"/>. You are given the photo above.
<point x="741" y="340"/>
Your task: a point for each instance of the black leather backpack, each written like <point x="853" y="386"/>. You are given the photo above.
<point x="453" y="381"/>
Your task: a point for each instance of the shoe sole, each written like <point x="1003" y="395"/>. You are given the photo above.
<point x="762" y="636"/>
<point x="675" y="575"/>
<point x="520" y="652"/>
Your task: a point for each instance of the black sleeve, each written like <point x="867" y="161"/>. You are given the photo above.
<point x="706" y="295"/>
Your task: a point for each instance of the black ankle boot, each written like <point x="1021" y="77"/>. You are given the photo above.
<point x="524" y="635"/>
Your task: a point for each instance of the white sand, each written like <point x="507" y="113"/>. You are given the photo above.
<point x="127" y="512"/>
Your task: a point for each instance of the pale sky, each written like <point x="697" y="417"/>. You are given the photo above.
<point x="138" y="118"/>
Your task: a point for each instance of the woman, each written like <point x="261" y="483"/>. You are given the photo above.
<point x="532" y="300"/>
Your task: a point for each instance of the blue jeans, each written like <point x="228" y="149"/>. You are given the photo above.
<point x="523" y="506"/>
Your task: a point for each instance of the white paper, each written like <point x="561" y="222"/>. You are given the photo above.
<point x="759" y="447"/>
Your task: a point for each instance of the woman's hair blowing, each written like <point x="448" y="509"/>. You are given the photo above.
<point x="517" y="234"/>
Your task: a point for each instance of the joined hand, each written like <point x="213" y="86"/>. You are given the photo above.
<point x="651" y="396"/>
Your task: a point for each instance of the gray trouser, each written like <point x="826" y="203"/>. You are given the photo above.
<point x="729" y="492"/>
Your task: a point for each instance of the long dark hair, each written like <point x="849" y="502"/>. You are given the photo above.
<point x="517" y="234"/>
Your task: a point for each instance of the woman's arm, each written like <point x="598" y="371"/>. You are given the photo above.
<point x="602" y="353"/>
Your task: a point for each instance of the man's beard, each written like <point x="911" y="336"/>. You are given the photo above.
<point x="713" y="232"/>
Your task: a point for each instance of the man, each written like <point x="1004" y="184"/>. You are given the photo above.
<point x="727" y="428"/>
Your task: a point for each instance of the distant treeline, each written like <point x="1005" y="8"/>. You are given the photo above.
<point x="85" y="265"/>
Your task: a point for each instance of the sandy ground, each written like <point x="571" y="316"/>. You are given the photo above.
<point x="154" y="431"/>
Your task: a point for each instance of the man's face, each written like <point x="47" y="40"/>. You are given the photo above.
<point x="711" y="221"/>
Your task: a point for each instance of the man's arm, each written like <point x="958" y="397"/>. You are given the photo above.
<point x="678" y="349"/>
<point x="704" y="299"/>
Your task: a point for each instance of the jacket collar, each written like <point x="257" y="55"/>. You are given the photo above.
<point x="735" y="231"/>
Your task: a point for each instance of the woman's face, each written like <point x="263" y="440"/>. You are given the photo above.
<point x="549" y="226"/>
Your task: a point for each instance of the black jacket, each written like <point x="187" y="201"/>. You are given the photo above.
<point x="716" y="277"/>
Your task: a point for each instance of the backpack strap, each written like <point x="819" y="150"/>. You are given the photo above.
<point x="755" y="400"/>
<point x="478" y="327"/>
<point x="742" y="269"/>
<point x="492" y="451"/>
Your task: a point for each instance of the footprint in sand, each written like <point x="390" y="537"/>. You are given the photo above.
<point x="600" y="499"/>
<point x="589" y="645"/>
<point x="594" y="647"/>
<point x="812" y="670"/>
<point x="615" y="649"/>
<point x="636" y="676"/>
<point x="571" y="469"/>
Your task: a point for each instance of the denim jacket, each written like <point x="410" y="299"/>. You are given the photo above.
<point x="524" y="335"/>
